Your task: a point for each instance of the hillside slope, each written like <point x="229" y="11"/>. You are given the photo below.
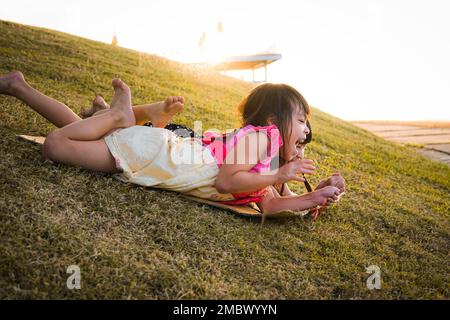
<point x="131" y="242"/>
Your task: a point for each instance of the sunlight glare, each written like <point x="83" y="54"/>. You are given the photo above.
<point x="370" y="59"/>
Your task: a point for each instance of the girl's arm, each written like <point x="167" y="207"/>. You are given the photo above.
<point x="271" y="203"/>
<point x="283" y="191"/>
<point x="243" y="181"/>
<point x="287" y="192"/>
<point x="234" y="175"/>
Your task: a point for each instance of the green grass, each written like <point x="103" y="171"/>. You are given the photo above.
<point x="132" y="242"/>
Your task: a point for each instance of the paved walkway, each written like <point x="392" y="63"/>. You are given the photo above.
<point x="435" y="141"/>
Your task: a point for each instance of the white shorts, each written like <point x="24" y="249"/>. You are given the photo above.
<point x="157" y="157"/>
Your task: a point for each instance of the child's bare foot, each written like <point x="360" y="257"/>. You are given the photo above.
<point x="11" y="81"/>
<point x="97" y="104"/>
<point x="162" y="113"/>
<point x="121" y="103"/>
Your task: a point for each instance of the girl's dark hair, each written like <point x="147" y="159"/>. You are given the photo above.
<point x="309" y="135"/>
<point x="275" y="102"/>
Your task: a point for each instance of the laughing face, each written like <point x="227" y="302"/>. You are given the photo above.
<point x="300" y="130"/>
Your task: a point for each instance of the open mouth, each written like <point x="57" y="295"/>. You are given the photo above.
<point x="300" y="142"/>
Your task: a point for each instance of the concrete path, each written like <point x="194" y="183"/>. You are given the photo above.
<point x="435" y="141"/>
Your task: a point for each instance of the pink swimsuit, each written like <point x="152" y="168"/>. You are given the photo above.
<point x="220" y="145"/>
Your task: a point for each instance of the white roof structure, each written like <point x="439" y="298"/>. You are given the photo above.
<point x="251" y="62"/>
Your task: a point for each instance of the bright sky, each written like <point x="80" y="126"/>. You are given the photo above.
<point x="355" y="59"/>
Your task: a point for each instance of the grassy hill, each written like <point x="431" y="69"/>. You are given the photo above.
<point x="132" y="242"/>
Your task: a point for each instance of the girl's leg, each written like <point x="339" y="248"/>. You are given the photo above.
<point x="14" y="84"/>
<point x="98" y="104"/>
<point x="59" y="114"/>
<point x="141" y="113"/>
<point x="80" y="143"/>
<point x="158" y="113"/>
<point x="91" y="155"/>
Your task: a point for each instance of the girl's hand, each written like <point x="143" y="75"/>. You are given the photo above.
<point x="336" y="180"/>
<point x="327" y="195"/>
<point x="291" y="170"/>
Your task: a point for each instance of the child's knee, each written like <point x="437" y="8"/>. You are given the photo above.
<point x="52" y="145"/>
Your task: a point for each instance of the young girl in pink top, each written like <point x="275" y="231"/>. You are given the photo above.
<point x="243" y="166"/>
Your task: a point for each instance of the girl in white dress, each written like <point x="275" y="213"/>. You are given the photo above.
<point x="235" y="168"/>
